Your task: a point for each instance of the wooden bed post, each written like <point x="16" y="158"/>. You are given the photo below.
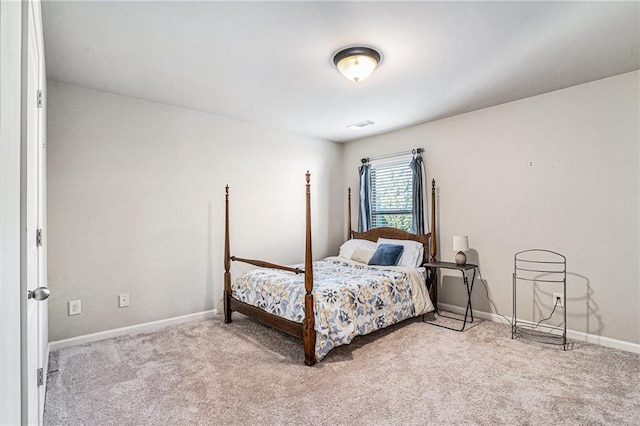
<point x="349" y="219"/>
<point x="227" y="261"/>
<point x="434" y="247"/>
<point x="308" y="326"/>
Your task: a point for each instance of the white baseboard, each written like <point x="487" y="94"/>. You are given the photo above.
<point x="571" y="334"/>
<point x="134" y="329"/>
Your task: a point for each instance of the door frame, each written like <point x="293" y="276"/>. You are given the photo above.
<point x="11" y="37"/>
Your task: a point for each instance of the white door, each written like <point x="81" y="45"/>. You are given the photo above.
<point x="43" y="308"/>
<point x="22" y="260"/>
<point x="33" y="214"/>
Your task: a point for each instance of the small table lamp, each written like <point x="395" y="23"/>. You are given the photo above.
<point x="461" y="244"/>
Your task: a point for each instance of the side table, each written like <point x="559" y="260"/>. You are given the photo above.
<point x="469" y="286"/>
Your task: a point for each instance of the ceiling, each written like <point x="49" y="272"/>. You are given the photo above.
<point x="270" y="63"/>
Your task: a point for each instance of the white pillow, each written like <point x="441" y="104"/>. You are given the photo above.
<point x="362" y="255"/>
<point x="413" y="252"/>
<point x="347" y="249"/>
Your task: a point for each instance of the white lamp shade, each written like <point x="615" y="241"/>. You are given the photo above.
<point x="460" y="243"/>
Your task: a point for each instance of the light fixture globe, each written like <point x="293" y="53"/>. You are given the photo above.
<point x="356" y="63"/>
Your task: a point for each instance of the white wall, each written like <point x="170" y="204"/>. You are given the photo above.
<point x="557" y="171"/>
<point x="136" y="201"/>
<point x="136" y="205"/>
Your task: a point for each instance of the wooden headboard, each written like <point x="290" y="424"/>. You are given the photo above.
<point x="395" y="234"/>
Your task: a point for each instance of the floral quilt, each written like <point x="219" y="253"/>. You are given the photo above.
<point x="350" y="298"/>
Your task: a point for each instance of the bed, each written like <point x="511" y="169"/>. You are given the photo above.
<point x="329" y="302"/>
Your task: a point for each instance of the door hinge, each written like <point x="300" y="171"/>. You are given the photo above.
<point x="40" y="377"/>
<point x="39" y="237"/>
<point x="39" y="98"/>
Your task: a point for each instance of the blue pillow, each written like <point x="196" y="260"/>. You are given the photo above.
<point x="387" y="255"/>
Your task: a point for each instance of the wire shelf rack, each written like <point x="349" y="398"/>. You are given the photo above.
<point x="540" y="266"/>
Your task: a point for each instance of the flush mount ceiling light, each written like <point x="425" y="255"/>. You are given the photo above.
<point x="356" y="63"/>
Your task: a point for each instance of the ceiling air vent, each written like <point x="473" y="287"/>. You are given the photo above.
<point x="362" y="124"/>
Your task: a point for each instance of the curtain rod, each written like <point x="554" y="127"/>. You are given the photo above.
<point x="416" y="151"/>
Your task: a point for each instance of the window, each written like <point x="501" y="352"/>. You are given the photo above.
<point x="391" y="195"/>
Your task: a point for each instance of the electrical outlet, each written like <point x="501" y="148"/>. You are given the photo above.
<point x="559" y="299"/>
<point x="123" y="300"/>
<point x="75" y="308"/>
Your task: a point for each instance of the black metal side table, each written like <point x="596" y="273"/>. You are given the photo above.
<point x="468" y="313"/>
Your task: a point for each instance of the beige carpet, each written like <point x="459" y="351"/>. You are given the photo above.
<point x="207" y="372"/>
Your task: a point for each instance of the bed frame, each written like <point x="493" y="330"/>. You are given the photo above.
<point x="306" y="330"/>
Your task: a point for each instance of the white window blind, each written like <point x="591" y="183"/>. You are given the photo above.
<point x="391" y="195"/>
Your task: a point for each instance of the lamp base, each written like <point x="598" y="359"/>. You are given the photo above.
<point x="461" y="258"/>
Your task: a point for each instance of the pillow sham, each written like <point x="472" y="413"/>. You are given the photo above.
<point x="362" y="255"/>
<point x="346" y="249"/>
<point x="413" y="252"/>
<point x="387" y="255"/>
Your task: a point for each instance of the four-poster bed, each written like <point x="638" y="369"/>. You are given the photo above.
<point x="344" y="307"/>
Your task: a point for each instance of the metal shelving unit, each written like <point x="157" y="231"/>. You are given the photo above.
<point x="540" y="266"/>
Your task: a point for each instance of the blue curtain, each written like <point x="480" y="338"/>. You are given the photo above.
<point x="364" y="218"/>
<point x="417" y="224"/>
